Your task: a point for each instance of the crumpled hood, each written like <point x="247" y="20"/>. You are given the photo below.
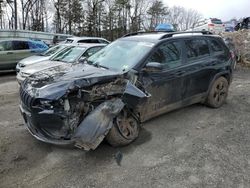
<point x="33" y="59"/>
<point x="55" y="82"/>
<point x="32" y="69"/>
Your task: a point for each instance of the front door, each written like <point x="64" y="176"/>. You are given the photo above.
<point x="166" y="85"/>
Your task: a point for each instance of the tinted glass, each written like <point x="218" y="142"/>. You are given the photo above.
<point x="89" y="41"/>
<point x="196" y="48"/>
<point x="215" y="46"/>
<point x="20" y="45"/>
<point x="169" y="54"/>
<point x="121" y="55"/>
<point x="5" y="46"/>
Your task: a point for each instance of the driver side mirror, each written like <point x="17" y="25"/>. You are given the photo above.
<point x="153" y="67"/>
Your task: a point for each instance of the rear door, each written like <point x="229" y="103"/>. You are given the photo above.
<point x="200" y="69"/>
<point x="7" y="57"/>
<point x="21" y="50"/>
<point x="165" y="86"/>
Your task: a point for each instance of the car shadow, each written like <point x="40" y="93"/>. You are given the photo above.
<point x="105" y="152"/>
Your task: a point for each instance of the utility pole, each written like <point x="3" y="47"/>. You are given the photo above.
<point x="15" y="9"/>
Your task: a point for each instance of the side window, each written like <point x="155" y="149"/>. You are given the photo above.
<point x="20" y="45"/>
<point x="103" y="41"/>
<point x="6" y="46"/>
<point x="91" y="51"/>
<point x="94" y="41"/>
<point x="196" y="48"/>
<point x="169" y="54"/>
<point x="215" y="46"/>
<point x="83" y="41"/>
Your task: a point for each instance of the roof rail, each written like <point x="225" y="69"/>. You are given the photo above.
<point x="145" y="32"/>
<point x="168" y="33"/>
<point x="186" y="32"/>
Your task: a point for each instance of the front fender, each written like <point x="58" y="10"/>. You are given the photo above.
<point x="93" y="129"/>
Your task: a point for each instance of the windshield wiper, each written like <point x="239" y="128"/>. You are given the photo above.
<point x="98" y="65"/>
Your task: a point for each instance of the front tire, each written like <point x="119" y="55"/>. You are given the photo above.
<point x="218" y="93"/>
<point x="124" y="131"/>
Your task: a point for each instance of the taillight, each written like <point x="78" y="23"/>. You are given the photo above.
<point x="210" y="25"/>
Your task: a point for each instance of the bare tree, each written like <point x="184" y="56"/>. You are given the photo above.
<point x="182" y="18"/>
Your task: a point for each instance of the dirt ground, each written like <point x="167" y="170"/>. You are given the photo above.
<point x="191" y="147"/>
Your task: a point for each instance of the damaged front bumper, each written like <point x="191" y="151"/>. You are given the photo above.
<point x="88" y="134"/>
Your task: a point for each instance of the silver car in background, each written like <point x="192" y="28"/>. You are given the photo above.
<point x="39" y="57"/>
<point x="72" y="54"/>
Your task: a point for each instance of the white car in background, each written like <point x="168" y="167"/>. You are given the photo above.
<point x="79" y="40"/>
<point x="72" y="54"/>
<point x="213" y="25"/>
<point x="39" y="57"/>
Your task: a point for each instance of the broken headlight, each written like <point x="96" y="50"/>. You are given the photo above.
<point x="46" y="103"/>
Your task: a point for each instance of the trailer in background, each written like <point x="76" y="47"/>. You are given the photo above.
<point x="48" y="38"/>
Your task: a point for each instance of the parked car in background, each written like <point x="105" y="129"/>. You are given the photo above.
<point x="213" y="25"/>
<point x="78" y="40"/>
<point x="132" y="80"/>
<point x="39" y="57"/>
<point x="13" y="50"/>
<point x="71" y="54"/>
<point x="229" y="28"/>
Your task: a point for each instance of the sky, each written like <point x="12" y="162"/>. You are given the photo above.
<point x="223" y="9"/>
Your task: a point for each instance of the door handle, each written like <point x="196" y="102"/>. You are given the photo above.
<point x="10" y="53"/>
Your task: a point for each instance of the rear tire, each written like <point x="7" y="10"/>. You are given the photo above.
<point x="218" y="93"/>
<point x="124" y="131"/>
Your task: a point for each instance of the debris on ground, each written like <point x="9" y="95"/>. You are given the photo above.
<point x="241" y="41"/>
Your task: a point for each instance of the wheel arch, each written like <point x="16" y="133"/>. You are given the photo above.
<point x="226" y="74"/>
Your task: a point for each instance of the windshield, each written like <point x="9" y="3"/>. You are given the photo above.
<point x="121" y="55"/>
<point x="52" y="50"/>
<point x="69" y="54"/>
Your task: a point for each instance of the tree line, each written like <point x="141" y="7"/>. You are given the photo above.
<point x="105" y="18"/>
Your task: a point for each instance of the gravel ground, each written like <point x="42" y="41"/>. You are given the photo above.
<point x="191" y="147"/>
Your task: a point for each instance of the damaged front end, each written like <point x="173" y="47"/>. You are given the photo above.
<point x="81" y="115"/>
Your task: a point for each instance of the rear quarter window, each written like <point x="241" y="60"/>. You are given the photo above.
<point x="215" y="46"/>
<point x="196" y="48"/>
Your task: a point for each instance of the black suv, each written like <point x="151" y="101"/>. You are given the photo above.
<point x="135" y="78"/>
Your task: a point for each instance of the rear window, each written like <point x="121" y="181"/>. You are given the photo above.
<point x="215" y="46"/>
<point x="69" y="41"/>
<point x="196" y="48"/>
<point x="216" y="21"/>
